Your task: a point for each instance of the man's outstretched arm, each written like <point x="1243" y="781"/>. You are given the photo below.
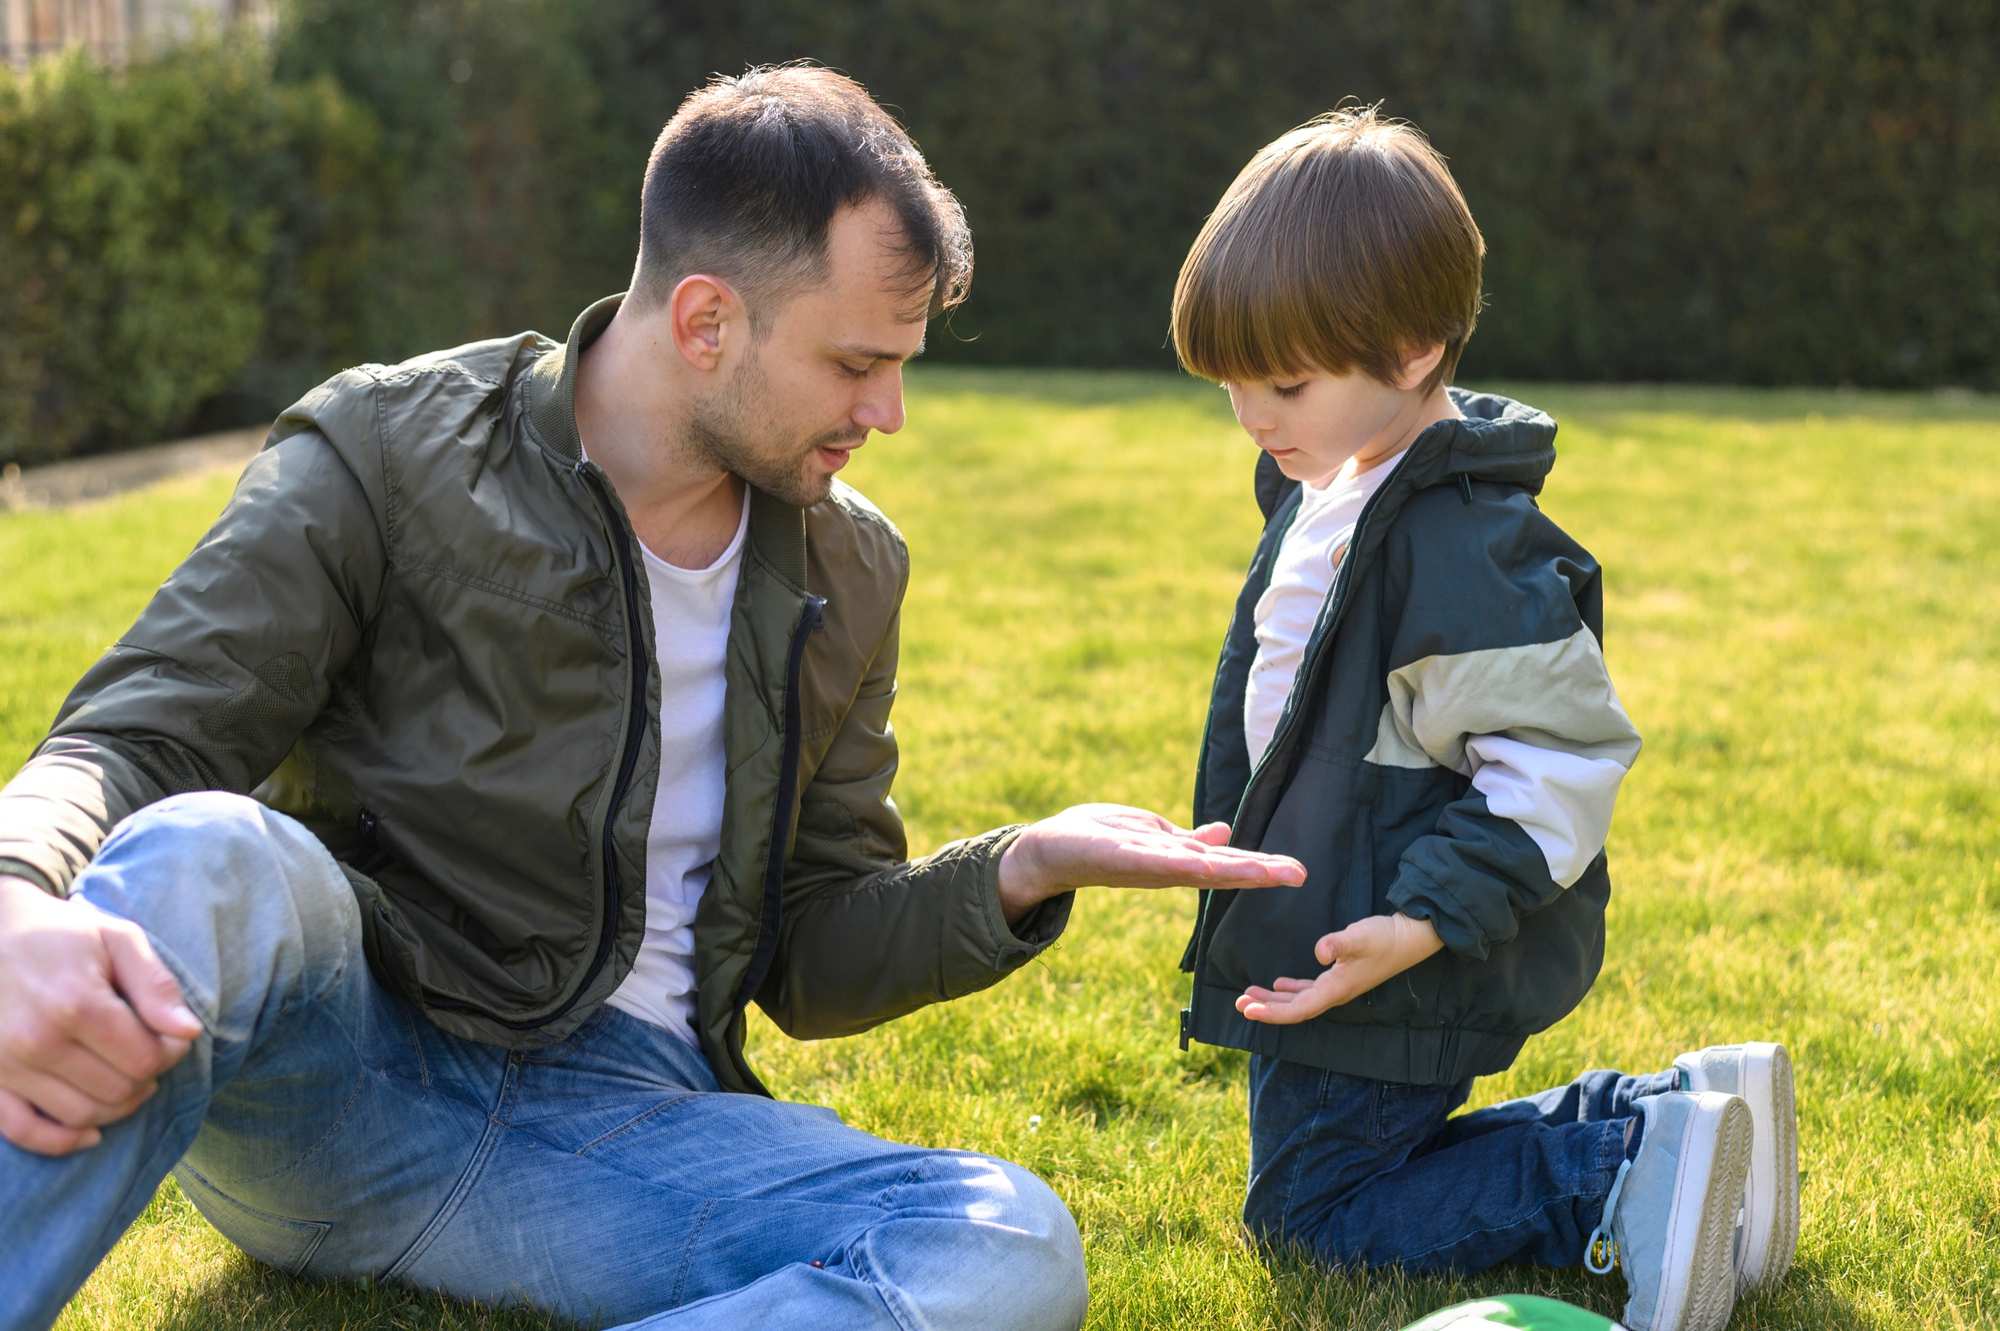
<point x="867" y="935"/>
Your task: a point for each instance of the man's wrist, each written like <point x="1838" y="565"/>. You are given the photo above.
<point x="1023" y="881"/>
<point x="14" y="892"/>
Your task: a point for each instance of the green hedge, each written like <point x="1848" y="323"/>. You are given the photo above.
<point x="1741" y="191"/>
<point x="143" y="218"/>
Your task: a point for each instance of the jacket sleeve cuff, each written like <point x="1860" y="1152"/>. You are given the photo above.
<point x="13" y="868"/>
<point x="1011" y="945"/>
<point x="1416" y="896"/>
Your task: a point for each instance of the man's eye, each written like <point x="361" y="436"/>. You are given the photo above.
<point x="1289" y="390"/>
<point x="854" y="372"/>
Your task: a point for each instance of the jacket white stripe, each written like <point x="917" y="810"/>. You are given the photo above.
<point x="1538" y="729"/>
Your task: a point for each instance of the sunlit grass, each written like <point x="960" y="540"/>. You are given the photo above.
<point x="1804" y="621"/>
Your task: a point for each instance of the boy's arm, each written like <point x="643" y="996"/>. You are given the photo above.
<point x="1495" y="671"/>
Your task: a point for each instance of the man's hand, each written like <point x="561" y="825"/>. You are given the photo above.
<point x="1114" y="845"/>
<point x="89" y="1019"/>
<point x="1359" y="957"/>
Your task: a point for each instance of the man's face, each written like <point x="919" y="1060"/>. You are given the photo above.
<point x="1312" y="423"/>
<point x="828" y="370"/>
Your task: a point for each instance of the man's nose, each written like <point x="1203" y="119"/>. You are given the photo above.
<point x="881" y="407"/>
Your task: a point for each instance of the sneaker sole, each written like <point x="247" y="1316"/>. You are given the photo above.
<point x="1702" y="1237"/>
<point x="1771" y="1225"/>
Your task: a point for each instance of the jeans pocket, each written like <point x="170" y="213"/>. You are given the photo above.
<point x="275" y="1240"/>
<point x="1406" y="1115"/>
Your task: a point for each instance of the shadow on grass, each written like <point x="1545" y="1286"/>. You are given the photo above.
<point x="250" y="1297"/>
<point x="1308" y="1297"/>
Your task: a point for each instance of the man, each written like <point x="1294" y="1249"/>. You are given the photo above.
<point x="562" y="675"/>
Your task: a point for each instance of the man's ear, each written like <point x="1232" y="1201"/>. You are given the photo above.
<point x="1417" y="366"/>
<point x="705" y="315"/>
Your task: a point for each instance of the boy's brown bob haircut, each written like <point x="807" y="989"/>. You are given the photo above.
<point x="1343" y="244"/>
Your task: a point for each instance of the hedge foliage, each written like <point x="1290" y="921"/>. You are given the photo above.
<point x="1747" y="191"/>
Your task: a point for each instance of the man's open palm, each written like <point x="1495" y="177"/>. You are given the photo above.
<point x="1115" y="845"/>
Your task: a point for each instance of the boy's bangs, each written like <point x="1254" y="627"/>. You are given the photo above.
<point x="1239" y="327"/>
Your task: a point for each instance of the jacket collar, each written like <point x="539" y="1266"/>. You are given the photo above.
<point x="777" y="529"/>
<point x="1494" y="439"/>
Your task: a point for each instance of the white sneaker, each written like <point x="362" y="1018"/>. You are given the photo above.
<point x="1762" y="1074"/>
<point x="1670" y="1220"/>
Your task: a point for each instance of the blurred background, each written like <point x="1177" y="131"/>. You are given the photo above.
<point x="208" y="205"/>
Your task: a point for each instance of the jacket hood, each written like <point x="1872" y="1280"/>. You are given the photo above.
<point x="1498" y="440"/>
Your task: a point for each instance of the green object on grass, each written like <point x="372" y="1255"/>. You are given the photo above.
<point x="1527" y="1312"/>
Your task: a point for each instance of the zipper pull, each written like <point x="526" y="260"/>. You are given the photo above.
<point x="1187" y="1021"/>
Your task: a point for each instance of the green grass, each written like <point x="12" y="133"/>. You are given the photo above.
<point x="1803" y="618"/>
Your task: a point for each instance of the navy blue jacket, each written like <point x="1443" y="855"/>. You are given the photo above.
<point x="1450" y="750"/>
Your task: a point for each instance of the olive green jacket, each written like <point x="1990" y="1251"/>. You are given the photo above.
<point x="421" y="627"/>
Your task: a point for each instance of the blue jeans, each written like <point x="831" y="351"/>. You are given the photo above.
<point x="327" y="1129"/>
<point x="1358" y="1172"/>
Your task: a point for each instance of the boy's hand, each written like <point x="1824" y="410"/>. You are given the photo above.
<point x="1360" y="957"/>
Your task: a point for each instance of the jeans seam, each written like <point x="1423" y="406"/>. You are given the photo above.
<point x="298" y="1263"/>
<point x="1494" y="1229"/>
<point x="332" y="1131"/>
<point x="687" y="1251"/>
<point x="489" y="1142"/>
<point x="1569" y="1198"/>
<point x="857" y="1258"/>
<point x="643" y="1116"/>
<point x="1299" y="1163"/>
<point x="113" y="1231"/>
<point x="916" y="1172"/>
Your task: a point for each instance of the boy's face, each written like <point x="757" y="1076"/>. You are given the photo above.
<point x="1311" y="424"/>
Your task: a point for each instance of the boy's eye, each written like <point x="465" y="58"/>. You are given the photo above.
<point x="1289" y="390"/>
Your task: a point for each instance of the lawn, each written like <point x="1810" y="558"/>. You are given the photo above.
<point x="1803" y="617"/>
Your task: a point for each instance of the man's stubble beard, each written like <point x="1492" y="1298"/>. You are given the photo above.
<point x="726" y="433"/>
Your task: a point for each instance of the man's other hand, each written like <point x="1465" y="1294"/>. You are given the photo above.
<point x="1359" y="957"/>
<point x="1114" y="845"/>
<point x="89" y="1019"/>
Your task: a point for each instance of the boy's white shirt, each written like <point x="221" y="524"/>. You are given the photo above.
<point x="1560" y="797"/>
<point x="1308" y="559"/>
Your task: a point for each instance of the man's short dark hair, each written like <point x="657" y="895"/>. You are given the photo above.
<point x="745" y="179"/>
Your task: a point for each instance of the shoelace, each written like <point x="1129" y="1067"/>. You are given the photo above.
<point x="1601" y="1250"/>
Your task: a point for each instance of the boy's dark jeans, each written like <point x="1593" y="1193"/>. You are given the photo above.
<point x="1374" y="1173"/>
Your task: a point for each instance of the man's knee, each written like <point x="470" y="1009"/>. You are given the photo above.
<point x="1022" y="1264"/>
<point x="219" y="879"/>
<point x="1036" y="1211"/>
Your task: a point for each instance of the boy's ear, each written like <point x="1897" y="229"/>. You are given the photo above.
<point x="1417" y="366"/>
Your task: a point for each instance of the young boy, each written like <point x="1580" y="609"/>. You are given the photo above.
<point x="1413" y="701"/>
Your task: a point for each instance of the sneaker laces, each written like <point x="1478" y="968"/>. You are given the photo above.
<point x="1600" y="1252"/>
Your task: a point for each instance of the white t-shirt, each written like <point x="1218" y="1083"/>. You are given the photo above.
<point x="691" y="637"/>
<point x="1308" y="558"/>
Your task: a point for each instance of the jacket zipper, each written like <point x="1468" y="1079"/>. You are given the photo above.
<point x="766" y="948"/>
<point x="1322" y="634"/>
<point x="635" y="734"/>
